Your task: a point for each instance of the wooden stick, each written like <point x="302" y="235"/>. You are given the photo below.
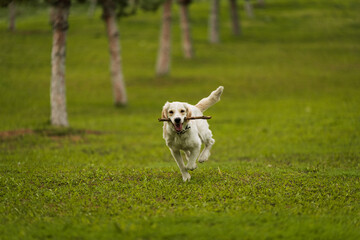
<point x="188" y="118"/>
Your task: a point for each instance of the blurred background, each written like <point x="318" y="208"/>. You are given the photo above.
<point x="290" y="71"/>
<point x="82" y="85"/>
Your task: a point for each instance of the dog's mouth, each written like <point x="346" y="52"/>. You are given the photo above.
<point x="178" y="127"/>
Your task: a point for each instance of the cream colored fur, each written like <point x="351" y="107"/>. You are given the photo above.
<point x="188" y="136"/>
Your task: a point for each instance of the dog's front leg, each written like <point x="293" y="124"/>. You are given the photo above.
<point x="192" y="156"/>
<point x="178" y="158"/>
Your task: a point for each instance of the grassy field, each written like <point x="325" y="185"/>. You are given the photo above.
<point x="286" y="163"/>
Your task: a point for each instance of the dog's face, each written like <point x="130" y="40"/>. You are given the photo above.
<point x="177" y="113"/>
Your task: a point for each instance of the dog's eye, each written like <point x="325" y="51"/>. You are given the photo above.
<point x="182" y="111"/>
<point x="171" y="111"/>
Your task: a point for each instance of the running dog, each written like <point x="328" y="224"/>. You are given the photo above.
<point x="185" y="135"/>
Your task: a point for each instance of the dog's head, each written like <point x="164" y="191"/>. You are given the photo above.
<point x="177" y="112"/>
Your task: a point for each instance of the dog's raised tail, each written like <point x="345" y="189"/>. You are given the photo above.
<point x="213" y="98"/>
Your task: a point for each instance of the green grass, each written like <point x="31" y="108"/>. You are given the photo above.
<point x="286" y="163"/>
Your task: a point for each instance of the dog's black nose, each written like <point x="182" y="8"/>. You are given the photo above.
<point x="177" y="120"/>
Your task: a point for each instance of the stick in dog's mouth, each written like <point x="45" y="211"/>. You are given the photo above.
<point x="186" y="119"/>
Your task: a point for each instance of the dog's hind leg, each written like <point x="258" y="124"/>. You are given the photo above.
<point x="178" y="158"/>
<point x="205" y="154"/>
<point x="205" y="135"/>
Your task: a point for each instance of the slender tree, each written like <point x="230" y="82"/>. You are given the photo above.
<point x="261" y="3"/>
<point x="12" y="15"/>
<point x="235" y="20"/>
<point x="111" y="10"/>
<point x="214" y="35"/>
<point x="249" y="9"/>
<point x="164" y="57"/>
<point x="11" y="6"/>
<point x="92" y="8"/>
<point x="185" y="28"/>
<point x="109" y="17"/>
<point x="60" y="12"/>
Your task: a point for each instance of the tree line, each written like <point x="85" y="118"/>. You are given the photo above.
<point x="111" y="10"/>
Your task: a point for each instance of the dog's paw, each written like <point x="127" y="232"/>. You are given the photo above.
<point x="191" y="167"/>
<point x="186" y="176"/>
<point x="202" y="160"/>
<point x="204" y="157"/>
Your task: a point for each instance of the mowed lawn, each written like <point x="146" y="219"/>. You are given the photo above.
<point x="286" y="162"/>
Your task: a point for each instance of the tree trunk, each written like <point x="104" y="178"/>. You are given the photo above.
<point x="164" y="57"/>
<point x="261" y="3"/>
<point x="60" y="16"/>
<point x="185" y="29"/>
<point x="109" y="17"/>
<point x="12" y="16"/>
<point x="92" y="8"/>
<point x="235" y="21"/>
<point x="214" y="22"/>
<point x="249" y="9"/>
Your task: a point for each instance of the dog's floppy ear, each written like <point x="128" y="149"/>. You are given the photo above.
<point x="164" y="110"/>
<point x="188" y="111"/>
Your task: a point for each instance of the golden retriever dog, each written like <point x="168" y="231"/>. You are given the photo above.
<point x="181" y="134"/>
